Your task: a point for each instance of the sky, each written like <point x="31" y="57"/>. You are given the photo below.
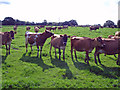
<point x="83" y="11"/>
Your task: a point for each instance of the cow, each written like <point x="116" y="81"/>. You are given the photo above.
<point x="42" y="26"/>
<point x="27" y="28"/>
<point x="84" y="44"/>
<point x="37" y="39"/>
<point x="59" y="28"/>
<point x="92" y="28"/>
<point x="117" y="33"/>
<point x="48" y="28"/>
<point x="65" y="27"/>
<point x="95" y="27"/>
<point x="15" y="28"/>
<point x="59" y="42"/>
<point x="6" y="38"/>
<point x="36" y="29"/>
<point x="53" y="28"/>
<point x="112" y="47"/>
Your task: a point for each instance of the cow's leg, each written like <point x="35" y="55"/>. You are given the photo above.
<point x="59" y="54"/>
<point x="72" y="53"/>
<point x="63" y="54"/>
<point x="98" y="55"/>
<point x="6" y="50"/>
<point x="95" y="54"/>
<point x="115" y="56"/>
<point x="37" y="50"/>
<point x="40" y="51"/>
<point x="87" y="57"/>
<point x="75" y="54"/>
<point x="9" y="47"/>
<point x="50" y="49"/>
<point x="31" y="47"/>
<point x="26" y="43"/>
<point x="6" y="47"/>
<point x="118" y="61"/>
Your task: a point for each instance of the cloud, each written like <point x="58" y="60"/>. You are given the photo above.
<point x="4" y="2"/>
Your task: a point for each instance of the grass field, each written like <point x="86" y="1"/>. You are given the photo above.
<point x="25" y="70"/>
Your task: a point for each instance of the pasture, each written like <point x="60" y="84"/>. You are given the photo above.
<point x="25" y="70"/>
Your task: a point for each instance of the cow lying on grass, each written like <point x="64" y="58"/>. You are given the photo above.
<point x="112" y="47"/>
<point x="59" y="42"/>
<point x="37" y="39"/>
<point x="84" y="44"/>
<point x="6" y="38"/>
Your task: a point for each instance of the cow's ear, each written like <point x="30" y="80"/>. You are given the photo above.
<point x="61" y="35"/>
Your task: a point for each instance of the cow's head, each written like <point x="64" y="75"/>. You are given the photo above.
<point x="48" y="33"/>
<point x="99" y="42"/>
<point x="64" y="38"/>
<point x="12" y="34"/>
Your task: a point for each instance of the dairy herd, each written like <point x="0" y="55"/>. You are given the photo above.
<point x="108" y="46"/>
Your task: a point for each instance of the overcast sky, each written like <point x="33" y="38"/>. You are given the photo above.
<point x="83" y="11"/>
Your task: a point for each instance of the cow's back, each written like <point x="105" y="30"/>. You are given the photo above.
<point x="111" y="46"/>
<point x="56" y="42"/>
<point x="81" y="43"/>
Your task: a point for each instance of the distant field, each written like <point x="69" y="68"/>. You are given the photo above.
<point x="21" y="70"/>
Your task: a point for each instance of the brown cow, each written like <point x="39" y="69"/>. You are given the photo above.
<point x="48" y="28"/>
<point x="111" y="47"/>
<point x="27" y="28"/>
<point x="6" y="38"/>
<point x="117" y="33"/>
<point x="84" y="44"/>
<point x="59" y="42"/>
<point x="37" y="39"/>
<point x="36" y="29"/>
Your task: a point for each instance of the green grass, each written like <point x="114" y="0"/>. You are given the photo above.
<point x="25" y="70"/>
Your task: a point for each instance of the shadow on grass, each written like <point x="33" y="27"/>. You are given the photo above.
<point x="4" y="58"/>
<point x="107" y="72"/>
<point x="63" y="65"/>
<point x="36" y="60"/>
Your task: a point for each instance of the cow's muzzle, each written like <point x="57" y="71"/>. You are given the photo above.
<point x="64" y="43"/>
<point x="13" y="38"/>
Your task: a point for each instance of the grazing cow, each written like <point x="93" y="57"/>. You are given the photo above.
<point x="53" y="28"/>
<point x="117" y="33"/>
<point x="37" y="39"/>
<point x="92" y="28"/>
<point x="36" y="29"/>
<point x="59" y="28"/>
<point x="48" y="28"/>
<point x="65" y="27"/>
<point x="112" y="47"/>
<point x="59" y="42"/>
<point x="6" y="38"/>
<point x="27" y="28"/>
<point x="84" y="44"/>
<point x="42" y="26"/>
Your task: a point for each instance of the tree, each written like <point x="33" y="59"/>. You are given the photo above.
<point x="8" y="21"/>
<point x="109" y="23"/>
<point x="118" y="23"/>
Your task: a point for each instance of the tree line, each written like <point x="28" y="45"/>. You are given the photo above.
<point x="11" y="21"/>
